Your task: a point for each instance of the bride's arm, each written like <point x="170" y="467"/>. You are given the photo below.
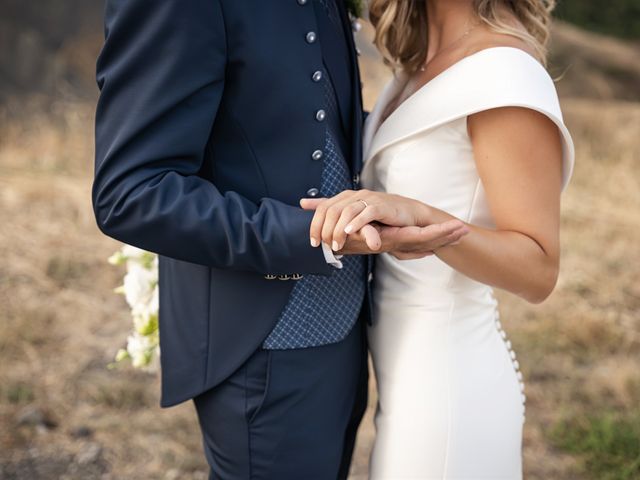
<point x="518" y="154"/>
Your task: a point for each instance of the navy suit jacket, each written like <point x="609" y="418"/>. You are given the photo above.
<point x="205" y="130"/>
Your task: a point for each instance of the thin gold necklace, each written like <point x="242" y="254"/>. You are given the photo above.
<point x="459" y="39"/>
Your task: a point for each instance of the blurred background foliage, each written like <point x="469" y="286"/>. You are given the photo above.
<point x="613" y="17"/>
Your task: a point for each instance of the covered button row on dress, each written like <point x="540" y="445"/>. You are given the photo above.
<point x="514" y="360"/>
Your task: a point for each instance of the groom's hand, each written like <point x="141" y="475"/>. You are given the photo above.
<point x="364" y="242"/>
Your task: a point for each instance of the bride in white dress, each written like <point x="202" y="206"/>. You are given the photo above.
<point x="469" y="130"/>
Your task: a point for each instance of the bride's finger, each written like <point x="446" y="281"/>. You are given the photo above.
<point x="334" y="212"/>
<point x="424" y="238"/>
<point x="440" y="235"/>
<point x="410" y="256"/>
<point x="454" y="238"/>
<point x="348" y="214"/>
<point x="368" y="215"/>
<point x="371" y="237"/>
<point x="315" y="230"/>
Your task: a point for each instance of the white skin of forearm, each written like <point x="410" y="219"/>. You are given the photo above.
<point x="505" y="259"/>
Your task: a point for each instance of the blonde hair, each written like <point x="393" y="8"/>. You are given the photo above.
<point x="402" y="28"/>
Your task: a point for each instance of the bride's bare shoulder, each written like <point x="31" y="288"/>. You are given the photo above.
<point x="487" y="38"/>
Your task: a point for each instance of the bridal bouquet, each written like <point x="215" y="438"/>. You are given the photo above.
<point x="140" y="289"/>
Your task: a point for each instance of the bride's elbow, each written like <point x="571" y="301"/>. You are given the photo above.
<point x="542" y="285"/>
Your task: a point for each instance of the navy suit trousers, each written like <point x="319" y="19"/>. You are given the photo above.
<point x="287" y="414"/>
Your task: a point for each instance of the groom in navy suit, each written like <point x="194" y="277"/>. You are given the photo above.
<point x="215" y="118"/>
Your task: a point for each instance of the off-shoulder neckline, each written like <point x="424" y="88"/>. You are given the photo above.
<point x="448" y="70"/>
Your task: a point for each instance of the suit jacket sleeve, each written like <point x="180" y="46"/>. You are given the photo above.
<point x="161" y="76"/>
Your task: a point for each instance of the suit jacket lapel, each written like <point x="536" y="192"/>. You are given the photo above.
<point x="356" y="93"/>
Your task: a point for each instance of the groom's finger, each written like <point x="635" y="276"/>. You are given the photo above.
<point x="311" y="203"/>
<point x="372" y="237"/>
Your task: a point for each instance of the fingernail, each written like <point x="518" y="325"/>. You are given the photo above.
<point x="314" y="243"/>
<point x="348" y="229"/>
<point x="335" y="246"/>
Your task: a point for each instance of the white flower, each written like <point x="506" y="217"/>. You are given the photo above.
<point x="141" y="348"/>
<point x="132" y="252"/>
<point x="140" y="289"/>
<point x="145" y="319"/>
<point x="139" y="284"/>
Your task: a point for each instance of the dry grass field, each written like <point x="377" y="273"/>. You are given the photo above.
<point x="64" y="415"/>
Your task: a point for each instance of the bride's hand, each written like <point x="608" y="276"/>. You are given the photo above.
<point x="351" y="210"/>
<point x="411" y="243"/>
<point x="404" y="243"/>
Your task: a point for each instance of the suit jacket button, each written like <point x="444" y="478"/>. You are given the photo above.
<point x="311" y="37"/>
<point x="296" y="276"/>
<point x="317" y="155"/>
<point x="321" y="115"/>
<point x="370" y="278"/>
<point x="283" y="277"/>
<point x="317" y="76"/>
<point x="270" y="277"/>
<point x="313" y="192"/>
<point x="302" y="2"/>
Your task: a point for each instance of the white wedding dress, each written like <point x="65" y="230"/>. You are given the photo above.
<point x="451" y="397"/>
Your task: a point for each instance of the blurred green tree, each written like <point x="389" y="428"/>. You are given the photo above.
<point x="614" y="17"/>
